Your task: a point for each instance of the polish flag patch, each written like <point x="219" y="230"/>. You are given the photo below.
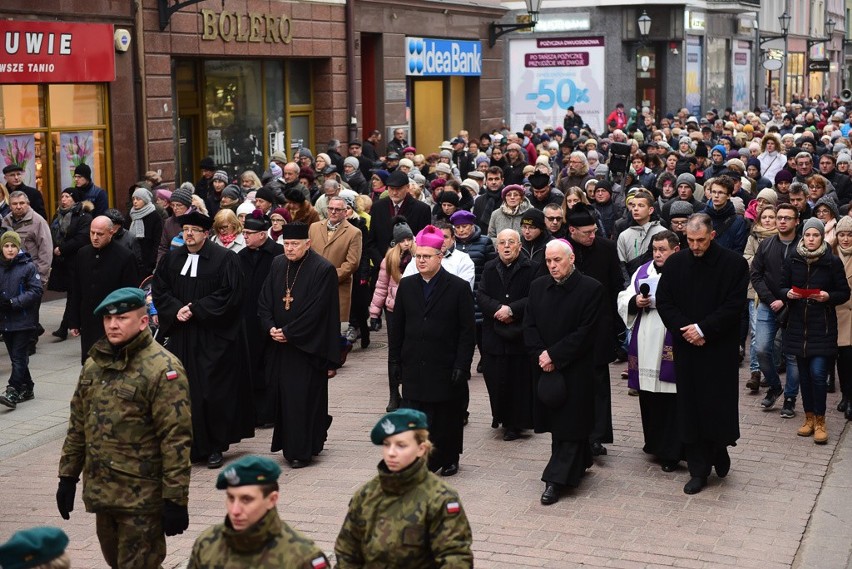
<point x="319" y="563"/>
<point x="453" y="508"/>
<point x="171" y="375"/>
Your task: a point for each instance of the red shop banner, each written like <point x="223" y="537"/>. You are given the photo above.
<point x="56" y="52"/>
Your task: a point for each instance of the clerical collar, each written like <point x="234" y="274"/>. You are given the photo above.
<point x="449" y="252"/>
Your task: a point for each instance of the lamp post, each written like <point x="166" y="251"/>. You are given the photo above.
<point x="644" y="24"/>
<point x="784" y="21"/>
<point x="496" y="30"/>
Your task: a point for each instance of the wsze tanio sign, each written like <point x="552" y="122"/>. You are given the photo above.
<point x="56" y="52"/>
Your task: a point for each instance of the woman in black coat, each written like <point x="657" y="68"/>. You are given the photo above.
<point x="814" y="281"/>
<point x="146" y="226"/>
<point x="70" y="231"/>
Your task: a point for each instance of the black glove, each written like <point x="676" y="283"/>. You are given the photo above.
<point x="375" y="324"/>
<point x="459" y="376"/>
<point x="175" y="518"/>
<point x="5" y="304"/>
<point x="394" y="371"/>
<point x="65" y="496"/>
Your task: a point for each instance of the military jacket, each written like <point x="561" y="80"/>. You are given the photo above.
<point x="130" y="428"/>
<point x="408" y="519"/>
<point x="268" y="544"/>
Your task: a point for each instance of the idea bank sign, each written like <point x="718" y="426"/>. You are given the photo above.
<point x="56" y="52"/>
<point x="428" y="57"/>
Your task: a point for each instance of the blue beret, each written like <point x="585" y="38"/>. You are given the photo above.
<point x="247" y="471"/>
<point x="462" y="217"/>
<point x="121" y="301"/>
<point x="397" y="422"/>
<point x="33" y="547"/>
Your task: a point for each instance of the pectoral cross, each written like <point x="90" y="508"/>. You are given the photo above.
<point x="287" y="300"/>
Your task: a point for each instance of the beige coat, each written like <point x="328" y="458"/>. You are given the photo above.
<point x="342" y="249"/>
<point x="844" y="311"/>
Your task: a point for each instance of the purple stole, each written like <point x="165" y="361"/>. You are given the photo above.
<point x="667" y="370"/>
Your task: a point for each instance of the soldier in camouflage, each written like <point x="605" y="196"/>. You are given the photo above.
<point x="129" y="434"/>
<point x="253" y="535"/>
<point x="406" y="516"/>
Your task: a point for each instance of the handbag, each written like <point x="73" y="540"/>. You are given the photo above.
<point x="783" y="317"/>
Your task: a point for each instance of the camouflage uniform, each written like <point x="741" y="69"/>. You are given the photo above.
<point x="270" y="543"/>
<point x="408" y="519"/>
<point x="129" y="434"/>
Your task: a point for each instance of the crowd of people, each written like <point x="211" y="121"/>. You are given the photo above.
<point x="678" y="246"/>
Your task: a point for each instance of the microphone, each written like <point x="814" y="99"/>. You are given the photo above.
<point x="645" y="290"/>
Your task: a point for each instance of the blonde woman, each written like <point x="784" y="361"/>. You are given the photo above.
<point x="228" y="231"/>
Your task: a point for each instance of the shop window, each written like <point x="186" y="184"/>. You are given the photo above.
<point x="74" y="147"/>
<point x="795" y="75"/>
<point x="276" y="120"/>
<point x="300" y="81"/>
<point x="300" y="132"/>
<point x="718" y="60"/>
<point x="76" y="105"/>
<point x="21" y="106"/>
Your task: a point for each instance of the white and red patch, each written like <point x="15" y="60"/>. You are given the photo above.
<point x="453" y="508"/>
<point x="171" y="375"/>
<point x="319" y="563"/>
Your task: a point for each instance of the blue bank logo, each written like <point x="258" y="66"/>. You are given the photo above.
<point x="427" y="57"/>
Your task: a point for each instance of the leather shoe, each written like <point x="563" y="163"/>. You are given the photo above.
<point x="450" y="470"/>
<point x="669" y="466"/>
<point x="695" y="485"/>
<point x="844" y="402"/>
<point x="511" y="435"/>
<point x="550" y="494"/>
<point x="296" y="463"/>
<point x="215" y="461"/>
<point x="598" y="449"/>
<point x="723" y="463"/>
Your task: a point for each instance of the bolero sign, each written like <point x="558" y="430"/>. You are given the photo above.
<point x="56" y="52"/>
<point x="428" y="57"/>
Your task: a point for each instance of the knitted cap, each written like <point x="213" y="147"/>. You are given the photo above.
<point x="10" y="237"/>
<point x="769" y="195"/>
<point x="814" y="223"/>
<point x="680" y="209"/>
<point x="183" y="196"/>
<point x="843" y="224"/>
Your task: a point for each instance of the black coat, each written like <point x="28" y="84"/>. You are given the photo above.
<point x="510" y="286"/>
<point x="562" y="319"/>
<point x="149" y="243"/>
<point x="514" y="173"/>
<point x="417" y="213"/>
<point x="432" y="337"/>
<point x="481" y="250"/>
<point x="98" y="273"/>
<point x="708" y="375"/>
<point x="811" y="325"/>
<point x="75" y="238"/>
<point x="484" y="205"/>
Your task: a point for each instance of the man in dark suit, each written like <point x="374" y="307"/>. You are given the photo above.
<point x="432" y="350"/>
<point x="399" y="202"/>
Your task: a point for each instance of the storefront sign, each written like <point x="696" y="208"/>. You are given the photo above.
<point x="253" y="27"/>
<point x="693" y="74"/>
<point x="818" y="66"/>
<point x="740" y="72"/>
<point x="51" y="52"/>
<point x="694" y="20"/>
<point x="546" y="76"/>
<point x="428" y="57"/>
<point x="575" y="22"/>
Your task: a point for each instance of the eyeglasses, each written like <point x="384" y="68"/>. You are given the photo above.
<point x="678" y="222"/>
<point x="277" y="220"/>
<point x="249" y="233"/>
<point x="193" y="230"/>
<point x="423" y="257"/>
<point x="507" y="242"/>
<point x="784" y="218"/>
<point x="336" y="209"/>
<point x="553" y="219"/>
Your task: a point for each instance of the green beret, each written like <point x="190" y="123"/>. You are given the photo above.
<point x="121" y="301"/>
<point x="33" y="547"/>
<point x="247" y="471"/>
<point x="397" y="422"/>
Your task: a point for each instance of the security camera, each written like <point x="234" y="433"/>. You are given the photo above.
<point x="122" y="40"/>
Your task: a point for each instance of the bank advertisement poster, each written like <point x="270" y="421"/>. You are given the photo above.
<point x="693" y="75"/>
<point x="75" y="148"/>
<point x="740" y="75"/>
<point x="548" y="75"/>
<point x="19" y="150"/>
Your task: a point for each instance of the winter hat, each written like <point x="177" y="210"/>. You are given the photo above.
<point x="829" y="203"/>
<point x="446" y="154"/>
<point x="75" y="194"/>
<point x="601" y="170"/>
<point x="408" y="149"/>
<point x="233" y="192"/>
<point x="351" y="161"/>
<point x="402" y="231"/>
<point x="437" y="183"/>
<point x="843" y="224"/>
<point x="471" y="185"/>
<point x="736" y="163"/>
<point x="84" y="170"/>
<point x="207" y="163"/>
<point x="753" y="162"/>
<point x="783" y="176"/>
<point x="739" y="206"/>
<point x="307" y="153"/>
<point x="511" y="188"/>
<point x="255" y="220"/>
<point x="539" y="180"/>
<point x="462" y="217"/>
<point x="10" y="237"/>
<point x="844" y="157"/>
<point x="325" y="157"/>
<point x="267" y="194"/>
<point x="701" y="150"/>
<point x="406" y="163"/>
<point x="581" y="215"/>
<point x="679" y="209"/>
<point x="686" y="178"/>
<point x="275" y="170"/>
<point x="142" y="194"/>
<point x="308" y="174"/>
<point x="448" y="196"/>
<point x="814" y="223"/>
<point x="33" y="547"/>
<point x="444" y="168"/>
<point x="769" y="195"/>
<point x="482" y="158"/>
<point x="720" y="149"/>
<point x="294" y="195"/>
<point x="534" y="218"/>
<point x="246" y="207"/>
<point x="283" y="212"/>
<point x="382" y="174"/>
<point x="221" y="175"/>
<point x="182" y="195"/>
<point x="163" y="194"/>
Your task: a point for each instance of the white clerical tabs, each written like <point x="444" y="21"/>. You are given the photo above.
<point x="429" y="57"/>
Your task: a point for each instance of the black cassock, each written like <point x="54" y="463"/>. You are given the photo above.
<point x="211" y="345"/>
<point x="297" y="370"/>
<point x="256" y="264"/>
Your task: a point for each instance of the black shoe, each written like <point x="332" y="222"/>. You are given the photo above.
<point x="27" y="395"/>
<point x="754" y="382"/>
<point x="848" y="413"/>
<point x="296" y="463"/>
<point x="772" y="395"/>
<point x="598" y="449"/>
<point x="511" y="435"/>
<point x="495" y="424"/>
<point x="831" y="387"/>
<point x="695" y="485"/>
<point x="723" y="463"/>
<point x="394" y="401"/>
<point x="844" y="402"/>
<point x="669" y="466"/>
<point x="479" y="367"/>
<point x="466" y="418"/>
<point x="550" y="494"/>
<point x="450" y="470"/>
<point x="61" y="334"/>
<point x="788" y="411"/>
<point x="31" y="350"/>
<point x="10" y="397"/>
<point x="365" y="341"/>
<point x="215" y="461"/>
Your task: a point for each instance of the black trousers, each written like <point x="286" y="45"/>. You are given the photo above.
<point x="702" y="455"/>
<point x="844" y="369"/>
<point x="602" y="429"/>
<point x="568" y="462"/>
<point x="446" y="427"/>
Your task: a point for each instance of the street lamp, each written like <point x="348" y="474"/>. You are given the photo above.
<point x="644" y="24"/>
<point x="829" y="28"/>
<point x="496" y="30"/>
<point x="784" y="21"/>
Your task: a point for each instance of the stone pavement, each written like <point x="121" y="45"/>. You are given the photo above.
<point x="786" y="502"/>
